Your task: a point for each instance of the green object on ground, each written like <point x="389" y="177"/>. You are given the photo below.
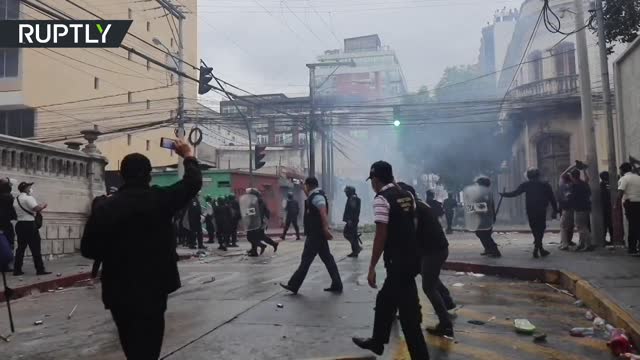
<point x="524" y="326"/>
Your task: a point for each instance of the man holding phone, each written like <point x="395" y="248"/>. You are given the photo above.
<point x="136" y="220"/>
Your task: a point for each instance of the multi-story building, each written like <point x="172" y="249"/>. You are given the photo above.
<point x="50" y="95"/>
<point x="495" y="40"/>
<point x="542" y="109"/>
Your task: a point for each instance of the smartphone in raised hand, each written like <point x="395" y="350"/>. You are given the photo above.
<point x="167" y="143"/>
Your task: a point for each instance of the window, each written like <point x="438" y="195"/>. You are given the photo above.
<point x="535" y="66"/>
<point x="148" y="145"/>
<point x="148" y="65"/>
<point x="565" y="59"/>
<point x="46" y="164"/>
<point x="130" y="97"/>
<point x="96" y="83"/>
<point x="284" y="139"/>
<point x="75" y="169"/>
<point x="130" y="14"/>
<point x="130" y="55"/>
<point x="18" y="123"/>
<point x="224" y="184"/>
<point x="148" y="26"/>
<point x="171" y="78"/>
<point x="148" y="104"/>
<point x="9" y="63"/>
<point x="302" y="138"/>
<point x="5" y="157"/>
<point x="129" y="139"/>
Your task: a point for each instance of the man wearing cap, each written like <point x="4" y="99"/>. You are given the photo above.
<point x="395" y="238"/>
<point x="27" y="231"/>
<point x="138" y="220"/>
<point x="316" y="228"/>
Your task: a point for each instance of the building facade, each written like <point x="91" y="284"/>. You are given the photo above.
<point x="50" y="95"/>
<point x="541" y="116"/>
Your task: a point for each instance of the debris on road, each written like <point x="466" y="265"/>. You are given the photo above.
<point x="71" y="313"/>
<point x="581" y="332"/>
<point x="458" y="285"/>
<point x="58" y="274"/>
<point x="620" y="344"/>
<point x="475" y="274"/>
<point x="524" y="326"/>
<point x="213" y="278"/>
<point x="589" y="315"/>
<point x="476" y="322"/>
<point x="579" y="303"/>
<point x="280" y="306"/>
<point x="560" y="290"/>
<point x="540" y="338"/>
<point x="6" y="338"/>
<point x="491" y="319"/>
<point x="38" y="322"/>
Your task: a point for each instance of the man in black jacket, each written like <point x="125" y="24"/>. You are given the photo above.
<point x="137" y="220"/>
<point x="292" y="210"/>
<point x="7" y="214"/>
<point x="538" y="197"/>
<point x="236" y="216"/>
<point x="433" y="246"/>
<point x="351" y="217"/>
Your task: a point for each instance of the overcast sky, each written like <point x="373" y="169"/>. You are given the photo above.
<point x="263" y="45"/>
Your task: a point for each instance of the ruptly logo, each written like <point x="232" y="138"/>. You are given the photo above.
<point x="63" y="33"/>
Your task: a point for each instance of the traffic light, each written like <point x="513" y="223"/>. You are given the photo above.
<point x="259" y="154"/>
<point x="206" y="75"/>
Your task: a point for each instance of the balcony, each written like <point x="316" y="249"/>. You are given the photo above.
<point x="562" y="85"/>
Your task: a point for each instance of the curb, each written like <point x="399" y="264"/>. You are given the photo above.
<point x="592" y="297"/>
<point x="64" y="281"/>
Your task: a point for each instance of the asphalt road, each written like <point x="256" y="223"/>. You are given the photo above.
<point x="236" y="316"/>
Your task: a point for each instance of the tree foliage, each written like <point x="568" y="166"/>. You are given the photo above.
<point x="621" y="20"/>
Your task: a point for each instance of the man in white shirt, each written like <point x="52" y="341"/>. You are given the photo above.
<point x="629" y="195"/>
<point x="27" y="231"/>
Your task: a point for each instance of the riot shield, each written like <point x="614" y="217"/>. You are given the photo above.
<point x="250" y="211"/>
<point x="478" y="208"/>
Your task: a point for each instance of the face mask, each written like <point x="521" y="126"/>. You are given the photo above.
<point x="30" y="191"/>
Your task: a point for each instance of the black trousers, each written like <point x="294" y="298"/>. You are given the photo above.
<point x="233" y="236"/>
<point x="8" y="231"/>
<point x="257" y="237"/>
<point x="291" y="220"/>
<point x="436" y="292"/>
<point x="350" y="233"/>
<point x="538" y="224"/>
<point x="196" y="235"/>
<point x="399" y="293"/>
<point x="211" y="232"/>
<point x="315" y="245"/>
<point x="449" y="217"/>
<point x="95" y="269"/>
<point x="28" y="236"/>
<point x="140" y="332"/>
<point x="632" y="211"/>
<point x="487" y="240"/>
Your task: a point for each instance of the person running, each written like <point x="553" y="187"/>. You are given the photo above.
<point x="351" y="217"/>
<point x="485" y="227"/>
<point x="434" y="249"/>
<point x="539" y="195"/>
<point x="450" y="204"/>
<point x="292" y="210"/>
<point x="395" y="241"/>
<point x="436" y="206"/>
<point x="316" y="228"/>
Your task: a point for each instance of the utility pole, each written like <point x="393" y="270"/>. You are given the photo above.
<point x="312" y="115"/>
<point x="177" y="13"/>
<point x="606" y="93"/>
<point x="588" y="130"/>
<point x="323" y="159"/>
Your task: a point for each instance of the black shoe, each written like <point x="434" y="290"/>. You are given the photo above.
<point x="580" y="248"/>
<point x="282" y="237"/>
<point x="590" y="248"/>
<point x="441" y="331"/>
<point x="234" y="245"/>
<point x="495" y="254"/>
<point x="252" y="254"/>
<point x="18" y="273"/>
<point x="222" y="247"/>
<point x="369" y="344"/>
<point x="571" y="243"/>
<point x="202" y="247"/>
<point x="288" y="288"/>
<point x="352" y="255"/>
<point x="334" y="289"/>
<point x="535" y="253"/>
<point x="544" y="253"/>
<point x="298" y="238"/>
<point x="192" y="247"/>
<point x="210" y="242"/>
<point x="484" y="253"/>
<point x="262" y="248"/>
<point x="44" y="272"/>
<point x="275" y="247"/>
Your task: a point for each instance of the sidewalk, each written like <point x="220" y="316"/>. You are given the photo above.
<point x="610" y="272"/>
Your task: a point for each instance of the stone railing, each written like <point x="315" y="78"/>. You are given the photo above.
<point x="66" y="179"/>
<point x="562" y="85"/>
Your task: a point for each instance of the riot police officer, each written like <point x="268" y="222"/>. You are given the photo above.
<point x="351" y="217"/>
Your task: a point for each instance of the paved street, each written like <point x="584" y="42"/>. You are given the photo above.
<point x="237" y="315"/>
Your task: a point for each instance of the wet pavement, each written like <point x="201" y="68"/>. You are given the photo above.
<point x="236" y="316"/>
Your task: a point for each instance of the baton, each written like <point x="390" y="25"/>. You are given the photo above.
<point x="500" y="203"/>
<point x="7" y="295"/>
